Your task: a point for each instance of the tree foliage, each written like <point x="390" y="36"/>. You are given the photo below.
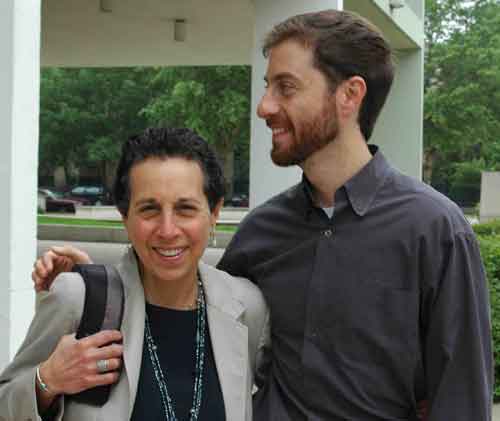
<point x="462" y="75"/>
<point x="85" y="114"/>
<point x="214" y="101"/>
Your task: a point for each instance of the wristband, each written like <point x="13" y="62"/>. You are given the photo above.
<point x="41" y="384"/>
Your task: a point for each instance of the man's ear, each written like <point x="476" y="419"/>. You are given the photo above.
<point x="350" y="94"/>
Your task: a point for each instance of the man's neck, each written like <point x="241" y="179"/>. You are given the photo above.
<point x="332" y="166"/>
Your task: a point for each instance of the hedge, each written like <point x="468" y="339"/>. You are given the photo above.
<point x="489" y="241"/>
<point x="488" y="228"/>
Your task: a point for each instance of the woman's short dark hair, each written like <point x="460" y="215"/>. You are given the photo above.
<point x="344" y="45"/>
<point x="168" y="143"/>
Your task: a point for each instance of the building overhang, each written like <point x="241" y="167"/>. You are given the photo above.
<point x="105" y="33"/>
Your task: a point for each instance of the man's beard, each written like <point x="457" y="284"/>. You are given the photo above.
<point x="308" y="137"/>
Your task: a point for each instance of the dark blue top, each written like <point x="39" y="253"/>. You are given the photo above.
<point x="174" y="334"/>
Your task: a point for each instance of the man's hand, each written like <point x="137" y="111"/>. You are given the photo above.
<point x="55" y="261"/>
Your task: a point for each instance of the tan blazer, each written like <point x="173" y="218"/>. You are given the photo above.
<point x="239" y="331"/>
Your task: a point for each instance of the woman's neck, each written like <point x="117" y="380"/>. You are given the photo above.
<point x="178" y="294"/>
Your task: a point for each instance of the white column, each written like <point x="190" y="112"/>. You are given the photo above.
<point x="402" y="121"/>
<point x="399" y="130"/>
<point x="19" y="109"/>
<point x="265" y="178"/>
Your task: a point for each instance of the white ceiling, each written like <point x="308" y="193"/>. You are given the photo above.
<point x="140" y="32"/>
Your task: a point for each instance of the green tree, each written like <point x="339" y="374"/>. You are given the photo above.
<point x="214" y="101"/>
<point x="85" y="114"/>
<point x="60" y="118"/>
<point x="462" y="75"/>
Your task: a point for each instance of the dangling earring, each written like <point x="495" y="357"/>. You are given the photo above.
<point x="213" y="237"/>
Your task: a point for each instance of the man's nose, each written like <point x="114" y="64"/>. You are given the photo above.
<point x="267" y="106"/>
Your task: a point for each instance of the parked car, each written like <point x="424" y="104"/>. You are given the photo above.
<point x="91" y="195"/>
<point x="54" y="201"/>
<point x="238" y="200"/>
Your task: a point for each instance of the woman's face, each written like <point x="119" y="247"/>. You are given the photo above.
<point x="169" y="219"/>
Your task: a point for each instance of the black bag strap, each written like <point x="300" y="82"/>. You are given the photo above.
<point x="96" y="295"/>
<point x="102" y="310"/>
<point x="104" y="299"/>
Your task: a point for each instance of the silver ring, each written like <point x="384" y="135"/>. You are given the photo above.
<point x="102" y="366"/>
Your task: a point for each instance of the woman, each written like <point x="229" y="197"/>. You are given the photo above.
<point x="191" y="334"/>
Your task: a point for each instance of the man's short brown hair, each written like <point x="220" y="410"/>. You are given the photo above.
<point x="344" y="45"/>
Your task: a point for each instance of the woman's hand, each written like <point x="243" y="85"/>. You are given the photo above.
<point x="72" y="367"/>
<point x="55" y="261"/>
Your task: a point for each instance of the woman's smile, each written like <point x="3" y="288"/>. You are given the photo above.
<point x="169" y="253"/>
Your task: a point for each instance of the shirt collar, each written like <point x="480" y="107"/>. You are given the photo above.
<point x="363" y="186"/>
<point x="361" y="189"/>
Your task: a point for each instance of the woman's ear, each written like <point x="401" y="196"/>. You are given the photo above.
<point x="215" y="213"/>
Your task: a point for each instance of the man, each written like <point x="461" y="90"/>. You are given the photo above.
<point x="377" y="293"/>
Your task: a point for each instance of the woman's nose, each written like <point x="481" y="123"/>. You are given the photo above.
<point x="168" y="226"/>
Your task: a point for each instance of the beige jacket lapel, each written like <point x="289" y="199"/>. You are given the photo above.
<point x="229" y="339"/>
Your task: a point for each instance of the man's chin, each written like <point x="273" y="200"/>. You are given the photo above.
<point x="284" y="160"/>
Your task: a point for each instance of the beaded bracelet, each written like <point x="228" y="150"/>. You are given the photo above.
<point x="43" y="386"/>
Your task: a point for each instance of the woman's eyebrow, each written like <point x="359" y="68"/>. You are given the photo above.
<point x="145" y="201"/>
<point x="183" y="200"/>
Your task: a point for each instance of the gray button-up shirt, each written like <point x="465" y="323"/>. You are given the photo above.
<point x="379" y="307"/>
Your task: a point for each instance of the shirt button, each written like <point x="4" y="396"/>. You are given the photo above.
<point x="328" y="233"/>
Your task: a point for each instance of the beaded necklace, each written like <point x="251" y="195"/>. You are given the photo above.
<point x="160" y="375"/>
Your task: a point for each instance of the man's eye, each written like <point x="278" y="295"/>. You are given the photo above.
<point x="286" y="89"/>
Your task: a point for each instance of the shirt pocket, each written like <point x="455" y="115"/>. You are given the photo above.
<point x="372" y="321"/>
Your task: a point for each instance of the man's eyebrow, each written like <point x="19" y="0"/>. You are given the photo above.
<point x="282" y="76"/>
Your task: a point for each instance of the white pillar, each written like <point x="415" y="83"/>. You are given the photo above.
<point x="265" y="179"/>
<point x="399" y="130"/>
<point x="19" y="110"/>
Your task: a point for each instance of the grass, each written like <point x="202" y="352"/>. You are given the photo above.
<point x="42" y="219"/>
<point x="227" y="228"/>
<point x="78" y="221"/>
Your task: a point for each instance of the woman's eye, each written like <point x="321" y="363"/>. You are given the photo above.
<point x="147" y="209"/>
<point x="187" y="210"/>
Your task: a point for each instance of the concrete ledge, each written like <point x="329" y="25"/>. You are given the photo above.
<point x="91" y="234"/>
<point x="489" y="205"/>
<point x="228" y="215"/>
<point x="82" y="233"/>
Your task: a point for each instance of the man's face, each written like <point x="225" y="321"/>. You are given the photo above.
<point x="298" y="105"/>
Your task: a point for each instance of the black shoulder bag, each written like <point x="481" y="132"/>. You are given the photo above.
<point x="103" y="310"/>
